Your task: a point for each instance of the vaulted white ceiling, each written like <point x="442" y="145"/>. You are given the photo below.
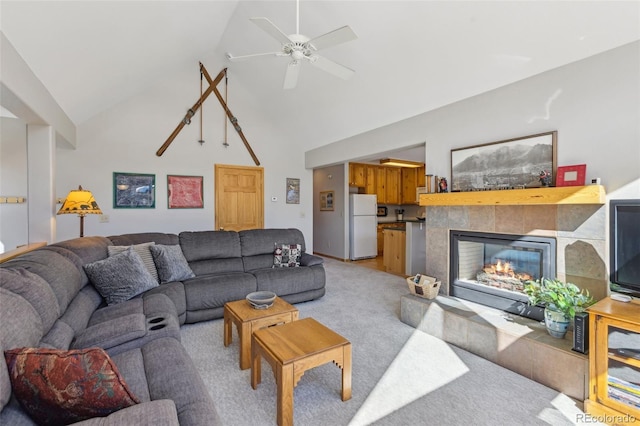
<point x="410" y="56"/>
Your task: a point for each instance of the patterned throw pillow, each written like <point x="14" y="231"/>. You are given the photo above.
<point x="287" y="255"/>
<point x="143" y="251"/>
<point x="120" y="277"/>
<point x="60" y="387"/>
<point x="171" y="263"/>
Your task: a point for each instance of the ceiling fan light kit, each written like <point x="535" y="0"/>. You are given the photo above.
<point x="299" y="47"/>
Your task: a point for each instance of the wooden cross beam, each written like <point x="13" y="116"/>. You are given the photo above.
<point x="191" y="112"/>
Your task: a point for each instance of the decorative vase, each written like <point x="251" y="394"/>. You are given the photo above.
<point x="557" y="322"/>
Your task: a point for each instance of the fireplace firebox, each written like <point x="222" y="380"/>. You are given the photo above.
<point x="491" y="269"/>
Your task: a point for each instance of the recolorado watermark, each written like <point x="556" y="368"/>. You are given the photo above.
<point x="606" y="418"/>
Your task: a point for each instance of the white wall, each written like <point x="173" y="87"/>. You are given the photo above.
<point x="14" y="230"/>
<point x="594" y="104"/>
<point x="329" y="229"/>
<point x="126" y="137"/>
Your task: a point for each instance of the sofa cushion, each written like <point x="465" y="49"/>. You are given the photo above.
<point x="170" y="263"/>
<point x="120" y="277"/>
<point x="35" y="290"/>
<point x="162" y="369"/>
<point x="284" y="281"/>
<point x="286" y="256"/>
<point x="145" y="254"/>
<point x="89" y="249"/>
<point x="213" y="291"/>
<point x="61" y="387"/>
<point x="261" y="241"/>
<point x="161" y="412"/>
<point x="143" y="237"/>
<point x="60" y="273"/>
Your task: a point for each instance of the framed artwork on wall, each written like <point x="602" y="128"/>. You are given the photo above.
<point x="525" y="162"/>
<point x="326" y="200"/>
<point x="184" y="192"/>
<point x="293" y="191"/>
<point x="134" y="191"/>
<point x="571" y="175"/>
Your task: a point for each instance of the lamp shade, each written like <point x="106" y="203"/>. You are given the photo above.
<point x="80" y="202"/>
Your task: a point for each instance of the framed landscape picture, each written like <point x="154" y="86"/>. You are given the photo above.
<point x="525" y="162"/>
<point x="134" y="191"/>
<point x="293" y="191"/>
<point x="184" y="192"/>
<point x="326" y="200"/>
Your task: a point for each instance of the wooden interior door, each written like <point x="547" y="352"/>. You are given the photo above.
<point x="239" y="195"/>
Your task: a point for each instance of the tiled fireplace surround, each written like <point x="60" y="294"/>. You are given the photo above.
<point x="516" y="343"/>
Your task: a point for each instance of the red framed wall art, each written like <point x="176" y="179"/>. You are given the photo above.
<point x="571" y="175"/>
<point x="184" y="192"/>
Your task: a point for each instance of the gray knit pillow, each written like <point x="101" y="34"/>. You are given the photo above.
<point x="120" y="277"/>
<point x="143" y="251"/>
<point x="170" y="263"/>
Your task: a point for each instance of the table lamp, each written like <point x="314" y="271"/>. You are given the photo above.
<point x="80" y="202"/>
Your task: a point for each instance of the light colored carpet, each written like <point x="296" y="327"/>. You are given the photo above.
<point x="400" y="376"/>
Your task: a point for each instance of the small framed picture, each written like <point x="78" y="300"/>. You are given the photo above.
<point x="184" y="192"/>
<point x="134" y="191"/>
<point x="293" y="191"/>
<point x="571" y="175"/>
<point x="326" y="200"/>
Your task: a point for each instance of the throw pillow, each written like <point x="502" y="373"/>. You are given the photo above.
<point x="171" y="263"/>
<point x="143" y="251"/>
<point x="120" y="277"/>
<point x="287" y="255"/>
<point x="60" y="387"/>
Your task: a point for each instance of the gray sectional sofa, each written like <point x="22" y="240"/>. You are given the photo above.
<point x="52" y="298"/>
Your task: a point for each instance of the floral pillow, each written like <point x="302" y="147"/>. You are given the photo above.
<point x="60" y="387"/>
<point x="287" y="255"/>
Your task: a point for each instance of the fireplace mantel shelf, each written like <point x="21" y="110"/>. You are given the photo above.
<point x="591" y="194"/>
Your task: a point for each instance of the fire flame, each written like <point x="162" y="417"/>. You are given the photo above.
<point x="503" y="268"/>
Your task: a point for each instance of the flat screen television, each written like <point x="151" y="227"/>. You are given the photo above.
<point x="624" y="233"/>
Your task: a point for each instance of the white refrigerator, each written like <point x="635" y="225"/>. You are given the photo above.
<point x="363" y="226"/>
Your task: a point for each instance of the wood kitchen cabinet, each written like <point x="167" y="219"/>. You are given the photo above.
<point x="357" y="174"/>
<point x="409" y="185"/>
<point x="380" y="239"/>
<point x="393" y="189"/>
<point x="381" y="185"/>
<point x="371" y="179"/>
<point x="614" y="361"/>
<point x="393" y="258"/>
<point x="421" y="178"/>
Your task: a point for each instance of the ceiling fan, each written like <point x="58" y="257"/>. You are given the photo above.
<point x="299" y="47"/>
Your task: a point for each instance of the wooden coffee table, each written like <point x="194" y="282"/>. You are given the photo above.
<point x="248" y="319"/>
<point x="291" y="349"/>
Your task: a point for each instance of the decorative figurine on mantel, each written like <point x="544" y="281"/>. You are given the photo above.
<point x="545" y="178"/>
<point x="442" y="185"/>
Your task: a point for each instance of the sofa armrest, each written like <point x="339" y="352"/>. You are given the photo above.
<point x="159" y="412"/>
<point x="112" y="333"/>
<point x="307" y="259"/>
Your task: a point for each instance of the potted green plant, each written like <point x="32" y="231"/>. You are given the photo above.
<point x="561" y="301"/>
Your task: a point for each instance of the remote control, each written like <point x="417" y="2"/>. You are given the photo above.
<point x="620" y="297"/>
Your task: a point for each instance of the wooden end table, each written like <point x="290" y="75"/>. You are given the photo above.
<point x="248" y="319"/>
<point x="291" y="349"/>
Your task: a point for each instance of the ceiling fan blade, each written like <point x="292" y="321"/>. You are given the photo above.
<point x="333" y="38"/>
<point x="332" y="67"/>
<point x="291" y="76"/>
<point x="243" y="57"/>
<point x="270" y="28"/>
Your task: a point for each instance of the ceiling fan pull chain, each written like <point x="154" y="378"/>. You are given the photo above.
<point x="201" y="140"/>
